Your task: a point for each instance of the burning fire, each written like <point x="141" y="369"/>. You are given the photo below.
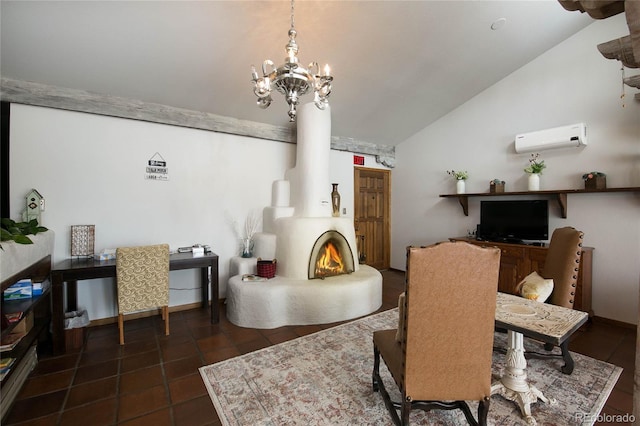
<point x="329" y="261"/>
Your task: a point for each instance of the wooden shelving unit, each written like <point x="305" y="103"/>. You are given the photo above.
<point x="559" y="194"/>
<point x="39" y="307"/>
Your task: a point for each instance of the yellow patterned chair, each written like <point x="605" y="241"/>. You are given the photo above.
<point x="142" y="275"/>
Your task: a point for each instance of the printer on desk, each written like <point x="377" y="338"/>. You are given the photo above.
<point x="196" y="249"/>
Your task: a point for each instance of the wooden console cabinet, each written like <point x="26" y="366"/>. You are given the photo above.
<point x="519" y="260"/>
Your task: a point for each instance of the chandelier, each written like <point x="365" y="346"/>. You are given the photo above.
<point x="291" y="79"/>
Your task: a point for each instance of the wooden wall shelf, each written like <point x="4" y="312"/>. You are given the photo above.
<point x="558" y="194"/>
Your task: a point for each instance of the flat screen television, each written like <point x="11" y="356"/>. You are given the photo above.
<point x="514" y="221"/>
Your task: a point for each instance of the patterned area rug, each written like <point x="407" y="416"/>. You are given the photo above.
<point x="325" y="379"/>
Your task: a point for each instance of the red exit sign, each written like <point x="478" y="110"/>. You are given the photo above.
<point x="358" y="160"/>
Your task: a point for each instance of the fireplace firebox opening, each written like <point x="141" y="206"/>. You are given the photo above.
<point x="330" y="256"/>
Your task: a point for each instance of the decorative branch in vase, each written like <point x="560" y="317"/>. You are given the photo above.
<point x="251" y="225"/>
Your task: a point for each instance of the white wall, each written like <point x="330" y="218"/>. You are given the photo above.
<point x="91" y="169"/>
<point x="570" y="83"/>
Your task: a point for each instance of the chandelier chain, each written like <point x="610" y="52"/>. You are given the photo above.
<point x="292" y="21"/>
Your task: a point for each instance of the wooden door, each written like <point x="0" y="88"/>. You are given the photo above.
<point x="372" y="221"/>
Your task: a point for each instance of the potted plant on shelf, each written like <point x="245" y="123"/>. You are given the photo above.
<point x="534" y="169"/>
<point x="595" y="180"/>
<point x="460" y="177"/>
<point x="11" y="230"/>
<point x="496" y="185"/>
<point x="21" y="247"/>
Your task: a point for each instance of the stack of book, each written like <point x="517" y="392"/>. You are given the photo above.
<point x="252" y="277"/>
<point x="10" y="341"/>
<point x="5" y="366"/>
<point x="13" y="317"/>
<point x="20" y="290"/>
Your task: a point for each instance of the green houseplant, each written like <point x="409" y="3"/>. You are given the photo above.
<point x="460" y="177"/>
<point x="535" y="166"/>
<point x="496" y="185"/>
<point x="534" y="169"/>
<point x="11" y="230"/>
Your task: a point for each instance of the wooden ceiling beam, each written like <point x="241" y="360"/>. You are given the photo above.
<point x="36" y="94"/>
<point x="621" y="50"/>
<point x="597" y="9"/>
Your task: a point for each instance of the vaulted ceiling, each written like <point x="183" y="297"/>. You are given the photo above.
<point x="397" y="65"/>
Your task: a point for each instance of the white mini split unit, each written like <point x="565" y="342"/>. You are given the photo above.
<point x="574" y="135"/>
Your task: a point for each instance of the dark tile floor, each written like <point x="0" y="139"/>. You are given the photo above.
<point x="153" y="379"/>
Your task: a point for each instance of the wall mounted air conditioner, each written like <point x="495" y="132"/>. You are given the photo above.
<point x="573" y="135"/>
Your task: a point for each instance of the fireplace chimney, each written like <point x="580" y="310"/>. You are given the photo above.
<point x="310" y="190"/>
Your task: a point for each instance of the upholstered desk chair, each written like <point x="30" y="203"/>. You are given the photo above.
<point x="441" y="354"/>
<point x="562" y="265"/>
<point x="142" y="275"/>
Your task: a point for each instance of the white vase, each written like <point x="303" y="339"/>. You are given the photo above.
<point x="534" y="181"/>
<point x="460" y="186"/>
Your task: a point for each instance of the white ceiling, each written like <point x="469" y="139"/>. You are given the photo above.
<point x="397" y="65"/>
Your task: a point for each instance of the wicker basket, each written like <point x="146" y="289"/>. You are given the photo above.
<point x="496" y="187"/>
<point x="596" y="182"/>
<point x="267" y="268"/>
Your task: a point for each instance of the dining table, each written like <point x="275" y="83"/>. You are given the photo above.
<point x="547" y="323"/>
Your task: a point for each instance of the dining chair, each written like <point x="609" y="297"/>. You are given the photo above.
<point x="562" y="265"/>
<point x="441" y="354"/>
<point x="142" y="275"/>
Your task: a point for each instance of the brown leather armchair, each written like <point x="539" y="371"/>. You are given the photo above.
<point x="441" y="356"/>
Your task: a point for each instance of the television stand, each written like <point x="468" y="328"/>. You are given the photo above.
<point x="537" y="244"/>
<point x="510" y="240"/>
<point x="519" y="260"/>
<point x="507" y="240"/>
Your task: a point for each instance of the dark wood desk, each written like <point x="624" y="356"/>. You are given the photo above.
<point x="70" y="271"/>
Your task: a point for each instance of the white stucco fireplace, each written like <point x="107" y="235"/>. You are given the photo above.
<point x="299" y="231"/>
